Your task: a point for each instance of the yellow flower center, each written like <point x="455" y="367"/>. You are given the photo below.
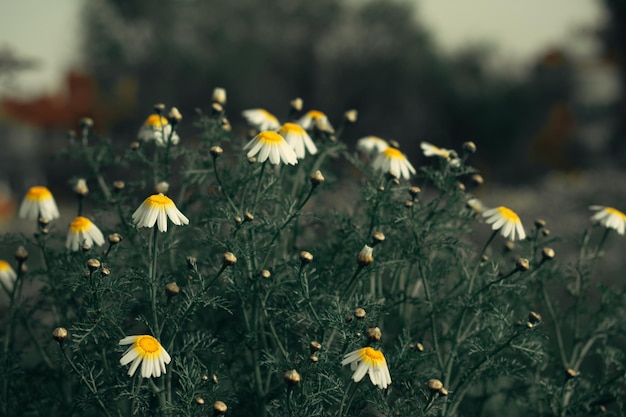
<point x="270" y="138"/>
<point x="291" y="128"/>
<point x="393" y="153"/>
<point x="616" y="212"/>
<point x="147" y="344"/>
<point x="80" y="224"/>
<point x="38" y="193"/>
<point x="153" y="120"/>
<point x="372" y="356"/>
<point x="159" y="200"/>
<point x="4" y="266"/>
<point x="508" y="214"/>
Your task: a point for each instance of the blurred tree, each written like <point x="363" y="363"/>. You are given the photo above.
<point x="372" y="55"/>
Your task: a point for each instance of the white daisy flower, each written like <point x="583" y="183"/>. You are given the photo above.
<point x="431" y="150"/>
<point x="261" y="119"/>
<point x="368" y="361"/>
<point x="37" y="203"/>
<point x="271" y="145"/>
<point x="298" y="139"/>
<point x="148" y="352"/>
<point x="317" y="119"/>
<point x="158" y="129"/>
<point x="157" y="208"/>
<point x="391" y="159"/>
<point x="371" y="145"/>
<point x="7" y="275"/>
<point x="507" y="221"/>
<point x="83" y="231"/>
<point x="610" y="218"/>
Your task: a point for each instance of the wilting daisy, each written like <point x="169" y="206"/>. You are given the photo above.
<point x="391" y="159"/>
<point x="507" y="221"/>
<point x="148" y="352"/>
<point x="317" y="119"/>
<point x="371" y="145"/>
<point x="368" y="361"/>
<point x="610" y="218"/>
<point x="7" y="275"/>
<point x="158" y="129"/>
<point x="271" y="145"/>
<point x="37" y="203"/>
<point x="261" y="119"/>
<point x="298" y="139"/>
<point x="157" y="208"/>
<point x="83" y="231"/>
<point x="432" y="150"/>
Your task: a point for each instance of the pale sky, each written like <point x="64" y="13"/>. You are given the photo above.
<point x="47" y="30"/>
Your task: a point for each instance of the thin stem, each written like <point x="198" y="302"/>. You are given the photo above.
<point x="258" y="187"/>
<point x="557" y="326"/>
<point x="152" y="275"/>
<point x="219" y="182"/>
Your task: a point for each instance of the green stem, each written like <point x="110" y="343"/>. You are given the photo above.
<point x="152" y="276"/>
<point x="258" y="187"/>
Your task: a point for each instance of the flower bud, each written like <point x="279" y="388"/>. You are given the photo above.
<point x="509" y="246"/>
<point x="408" y="203"/>
<point x="248" y="217"/>
<point x="86" y="247"/>
<point x="199" y="400"/>
<point x="105" y="271"/>
<point x="174" y="115"/>
<point x="229" y="259"/>
<point x="477" y="180"/>
<point x="93" y="264"/>
<point x="306" y="257"/>
<point x="86" y="122"/>
<point x="296" y="104"/>
<point x="313" y="358"/>
<point x="216" y="151"/>
<point x="360" y="313"/>
<point x="60" y="334"/>
<point x="414" y="191"/>
<point x="522" y="264"/>
<point x="534" y="317"/>
<point x="547" y="254"/>
<point x="115" y="238"/>
<point x="374" y="334"/>
<point x="80" y="188"/>
<point x="545" y="232"/>
<point x="214" y="379"/>
<point x="292" y="377"/>
<point x="469" y="147"/>
<point x="219" y="408"/>
<point x="540" y="224"/>
<point x="172" y="289"/>
<point x="162" y="188"/>
<point x="365" y="256"/>
<point x="351" y="116"/>
<point x="570" y="373"/>
<point x="219" y="95"/>
<point x="159" y="108"/>
<point x="443" y="391"/>
<point x="118" y="185"/>
<point x="191" y="262"/>
<point x="419" y="347"/>
<point x="317" y="178"/>
<point x="434" y="385"/>
<point x="377" y="237"/>
<point x="315" y="346"/>
<point x="21" y="254"/>
<point x="265" y="273"/>
<point x="217" y="108"/>
<point x="134" y="145"/>
<point x="460" y="186"/>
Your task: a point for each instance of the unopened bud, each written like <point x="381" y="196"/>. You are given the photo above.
<point x="248" y="217"/>
<point x="545" y="232"/>
<point x="21" y="254"/>
<point x="219" y="95"/>
<point x="292" y="377"/>
<point x="296" y="104"/>
<point x="374" y="334"/>
<point x="359" y="313"/>
<point x="434" y="385"/>
<point x="80" y="188"/>
<point x="460" y="186"/>
<point x="265" y="273"/>
<point x="217" y="108"/>
<point x="59" y="334"/>
<point x="174" y="115"/>
<point x="509" y="246"/>
<point x="86" y="122"/>
<point x="419" y="347"/>
<point x="159" y="108"/>
<point x="162" y="188"/>
<point x="443" y="391"/>
<point x="540" y="223"/>
<point x="86" y="247"/>
<point x="229" y="259"/>
<point x="534" y="317"/>
<point x="306" y="257"/>
<point x="414" y="191"/>
<point x="134" y="145"/>
<point x="469" y="147"/>
<point x="547" y="254"/>
<point x="115" y="238"/>
<point x="408" y="203"/>
<point x="172" y="289"/>
<point x="377" y="237"/>
<point x="315" y="346"/>
<point x="317" y="178"/>
<point x="93" y="264"/>
<point x="351" y="115"/>
<point x="522" y="264"/>
<point x="394" y="143"/>
<point x="214" y="379"/>
<point x="216" y="151"/>
<point x="199" y="400"/>
<point x="477" y="180"/>
<point x="365" y="256"/>
<point x="570" y="373"/>
<point x="105" y="271"/>
<point x="313" y="358"/>
<point x="118" y="185"/>
<point x="219" y="408"/>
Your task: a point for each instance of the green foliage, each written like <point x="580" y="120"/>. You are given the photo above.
<point x="448" y="308"/>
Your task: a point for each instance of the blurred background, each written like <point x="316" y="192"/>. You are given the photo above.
<point x="538" y="86"/>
